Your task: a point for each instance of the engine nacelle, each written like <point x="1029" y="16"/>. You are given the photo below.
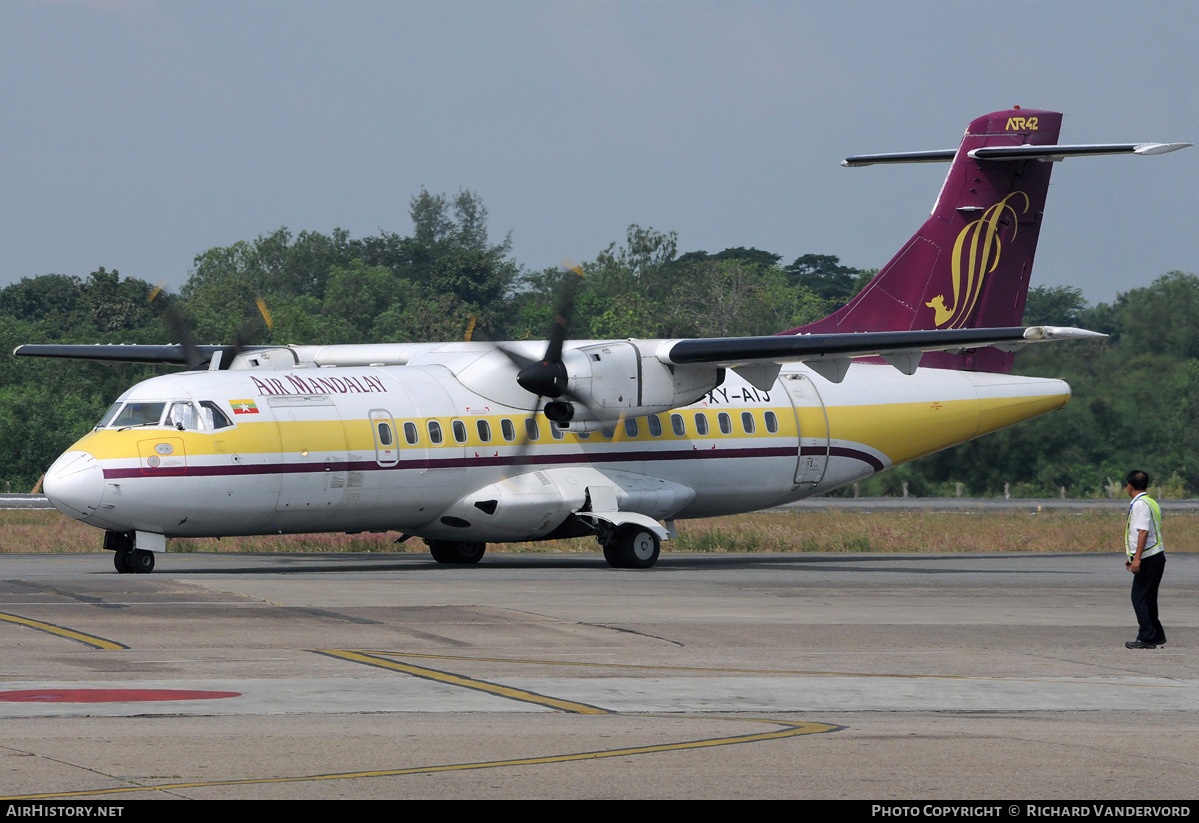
<point x="626" y="379"/>
<point x="618" y="378"/>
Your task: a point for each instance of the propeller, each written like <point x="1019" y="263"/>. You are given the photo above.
<point x="251" y="325"/>
<point x="194" y="355"/>
<point x="548" y="376"/>
<point x="160" y="300"/>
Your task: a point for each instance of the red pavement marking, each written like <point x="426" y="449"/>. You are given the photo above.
<point x="108" y="695"/>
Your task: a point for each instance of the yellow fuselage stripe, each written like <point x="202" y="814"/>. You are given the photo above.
<point x="901" y="431"/>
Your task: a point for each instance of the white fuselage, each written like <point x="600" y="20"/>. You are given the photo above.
<point x="411" y="448"/>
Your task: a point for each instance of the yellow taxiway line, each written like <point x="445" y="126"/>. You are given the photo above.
<point x="465" y="682"/>
<point x="62" y="631"/>
<point x="789" y="729"/>
<point x="733" y="670"/>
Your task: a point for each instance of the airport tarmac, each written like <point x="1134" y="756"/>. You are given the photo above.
<point x="552" y="676"/>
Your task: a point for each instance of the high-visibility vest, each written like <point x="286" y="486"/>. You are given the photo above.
<point x="1155" y="512"/>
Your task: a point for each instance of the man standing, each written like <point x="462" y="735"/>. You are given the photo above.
<point x="1146" y="559"/>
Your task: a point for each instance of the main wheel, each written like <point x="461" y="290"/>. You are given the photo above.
<point x="120" y="559"/>
<point x="141" y="561"/>
<point x="637" y="547"/>
<point x="612" y="555"/>
<point x="447" y="551"/>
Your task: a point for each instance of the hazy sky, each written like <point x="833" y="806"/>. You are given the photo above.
<point x="137" y="134"/>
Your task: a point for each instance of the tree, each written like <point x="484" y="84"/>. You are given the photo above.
<point x="1161" y="318"/>
<point x="1056" y="306"/>
<point x="453" y="263"/>
<point x="824" y="276"/>
<point x="729" y="295"/>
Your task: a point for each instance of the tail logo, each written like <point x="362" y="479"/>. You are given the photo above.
<point x="1021" y="124"/>
<point x="976" y="254"/>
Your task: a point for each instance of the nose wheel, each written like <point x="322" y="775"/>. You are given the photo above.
<point x="138" y="561"/>
<point x="125" y="558"/>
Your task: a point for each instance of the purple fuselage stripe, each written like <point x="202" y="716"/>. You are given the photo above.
<point x="424" y="464"/>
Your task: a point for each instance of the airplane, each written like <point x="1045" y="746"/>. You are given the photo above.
<point x="469" y="443"/>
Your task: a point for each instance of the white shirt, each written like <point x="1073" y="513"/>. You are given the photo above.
<point x="1140" y="519"/>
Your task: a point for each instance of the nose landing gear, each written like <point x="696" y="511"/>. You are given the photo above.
<point x="126" y="558"/>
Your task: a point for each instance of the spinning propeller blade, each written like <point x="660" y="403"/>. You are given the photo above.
<point x="193" y="354"/>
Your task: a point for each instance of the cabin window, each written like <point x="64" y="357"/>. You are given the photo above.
<point x="385" y="437"/>
<point x="772" y="423"/>
<point x="582" y="435"/>
<point x="556" y="431"/>
<point x="726" y="423"/>
<point x="701" y="424"/>
<point x="434" y="432"/>
<point x="459" y="431"/>
<point x="532" y="432"/>
<point x="139" y="414"/>
<point x="214" y="415"/>
<point x="630" y="426"/>
<point x="410" y="433"/>
<point x="655" y="425"/>
<point x="747" y="422"/>
<point x="507" y="430"/>
<point x="484" y="429"/>
<point x="677" y="425"/>
<point x="608" y="431"/>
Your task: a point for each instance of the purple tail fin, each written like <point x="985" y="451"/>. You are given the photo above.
<point x="968" y="266"/>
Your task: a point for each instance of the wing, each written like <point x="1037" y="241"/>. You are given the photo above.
<point x="830" y="354"/>
<point x="170" y="355"/>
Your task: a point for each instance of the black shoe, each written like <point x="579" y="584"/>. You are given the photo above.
<point x="1139" y="644"/>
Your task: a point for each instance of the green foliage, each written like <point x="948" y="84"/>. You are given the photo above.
<point x="45" y="405"/>
<point x="825" y="277"/>
<point x="1054" y="306"/>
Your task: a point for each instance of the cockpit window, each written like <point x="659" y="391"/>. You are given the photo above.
<point x="110" y="414"/>
<point x="138" y="414"/>
<point x="183" y="416"/>
<point x="213" y="416"/>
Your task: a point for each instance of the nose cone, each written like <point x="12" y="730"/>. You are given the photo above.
<point x="75" y="484"/>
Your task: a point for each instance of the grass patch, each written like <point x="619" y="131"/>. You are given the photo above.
<point x="830" y="530"/>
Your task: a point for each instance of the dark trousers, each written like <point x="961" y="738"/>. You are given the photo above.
<point x="1144" y="598"/>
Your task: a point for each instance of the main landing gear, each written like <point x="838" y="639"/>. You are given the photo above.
<point x="462" y="554"/>
<point x="631" y="547"/>
<point x="126" y="558"/>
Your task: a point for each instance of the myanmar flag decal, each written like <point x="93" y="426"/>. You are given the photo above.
<point x="243" y="407"/>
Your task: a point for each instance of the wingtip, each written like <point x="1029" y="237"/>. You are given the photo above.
<point x="1035" y="333"/>
<point x="1159" y="148"/>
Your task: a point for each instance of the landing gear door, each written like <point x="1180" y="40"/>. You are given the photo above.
<point x="811" y="422"/>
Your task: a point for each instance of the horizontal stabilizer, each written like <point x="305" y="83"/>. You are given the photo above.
<point x="1055" y="153"/>
<point x="1028" y="152"/>
<point x="936" y="156"/>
